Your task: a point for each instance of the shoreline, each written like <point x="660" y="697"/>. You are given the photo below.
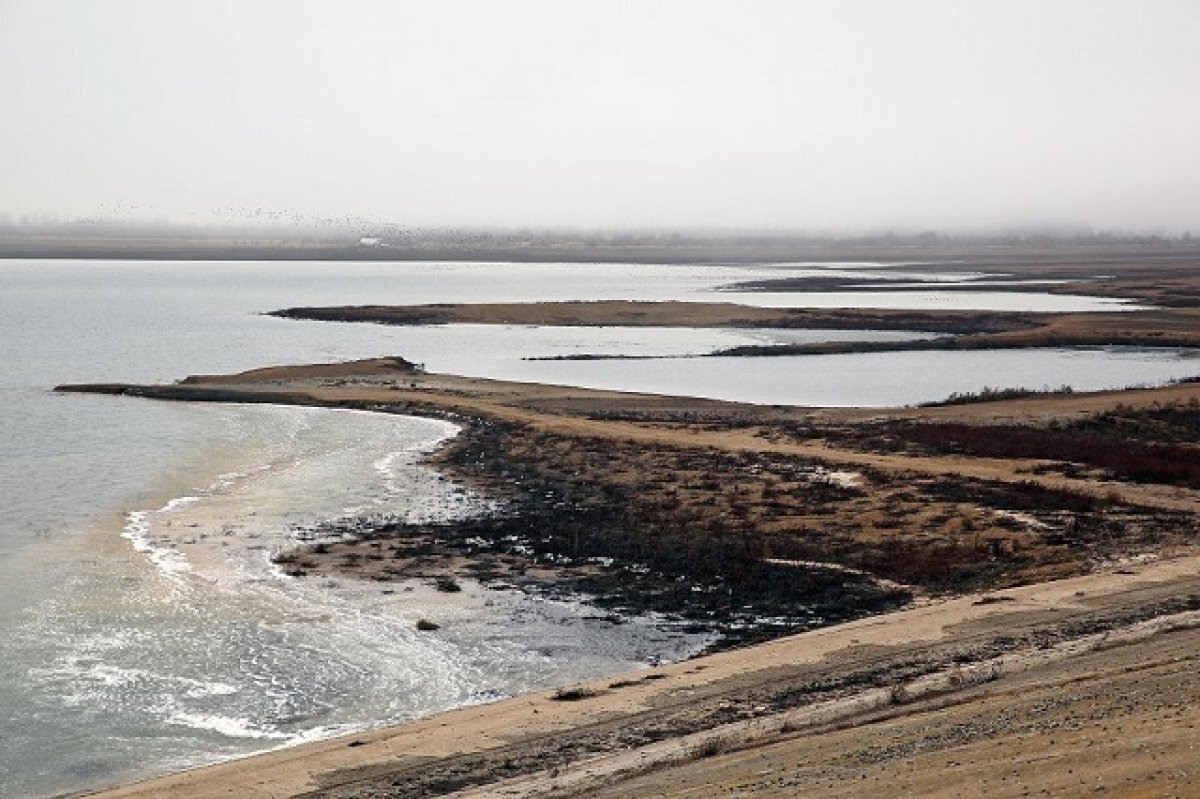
<point x="952" y="654"/>
<point x="599" y="247"/>
<point x="1029" y="528"/>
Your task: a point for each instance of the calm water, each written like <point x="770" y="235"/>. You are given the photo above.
<point x="982" y="300"/>
<point x="872" y="379"/>
<point x="142" y="627"/>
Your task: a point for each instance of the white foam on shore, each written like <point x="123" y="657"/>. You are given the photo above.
<point x="177" y="503"/>
<point x="90" y="679"/>
<point x="168" y="560"/>
<point x="229" y="726"/>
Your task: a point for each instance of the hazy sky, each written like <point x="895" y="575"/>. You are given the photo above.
<point x="799" y="114"/>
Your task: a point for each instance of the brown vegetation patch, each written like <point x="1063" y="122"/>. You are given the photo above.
<point x="1151" y="445"/>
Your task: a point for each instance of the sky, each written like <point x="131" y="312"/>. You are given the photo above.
<point x="845" y="115"/>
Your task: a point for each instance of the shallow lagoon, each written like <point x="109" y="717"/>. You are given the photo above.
<point x="872" y="379"/>
<point x="855" y="379"/>
<point x="933" y="300"/>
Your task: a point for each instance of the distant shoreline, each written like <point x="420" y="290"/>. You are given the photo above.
<point x="948" y="254"/>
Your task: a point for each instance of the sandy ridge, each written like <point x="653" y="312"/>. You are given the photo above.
<point x="477" y="397"/>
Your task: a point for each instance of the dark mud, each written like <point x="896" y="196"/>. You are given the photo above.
<point x="625" y="547"/>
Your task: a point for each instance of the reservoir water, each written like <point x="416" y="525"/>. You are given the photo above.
<point x="142" y="625"/>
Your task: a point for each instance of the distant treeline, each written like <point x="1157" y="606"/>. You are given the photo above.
<point x="264" y="238"/>
<point x="349" y="229"/>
